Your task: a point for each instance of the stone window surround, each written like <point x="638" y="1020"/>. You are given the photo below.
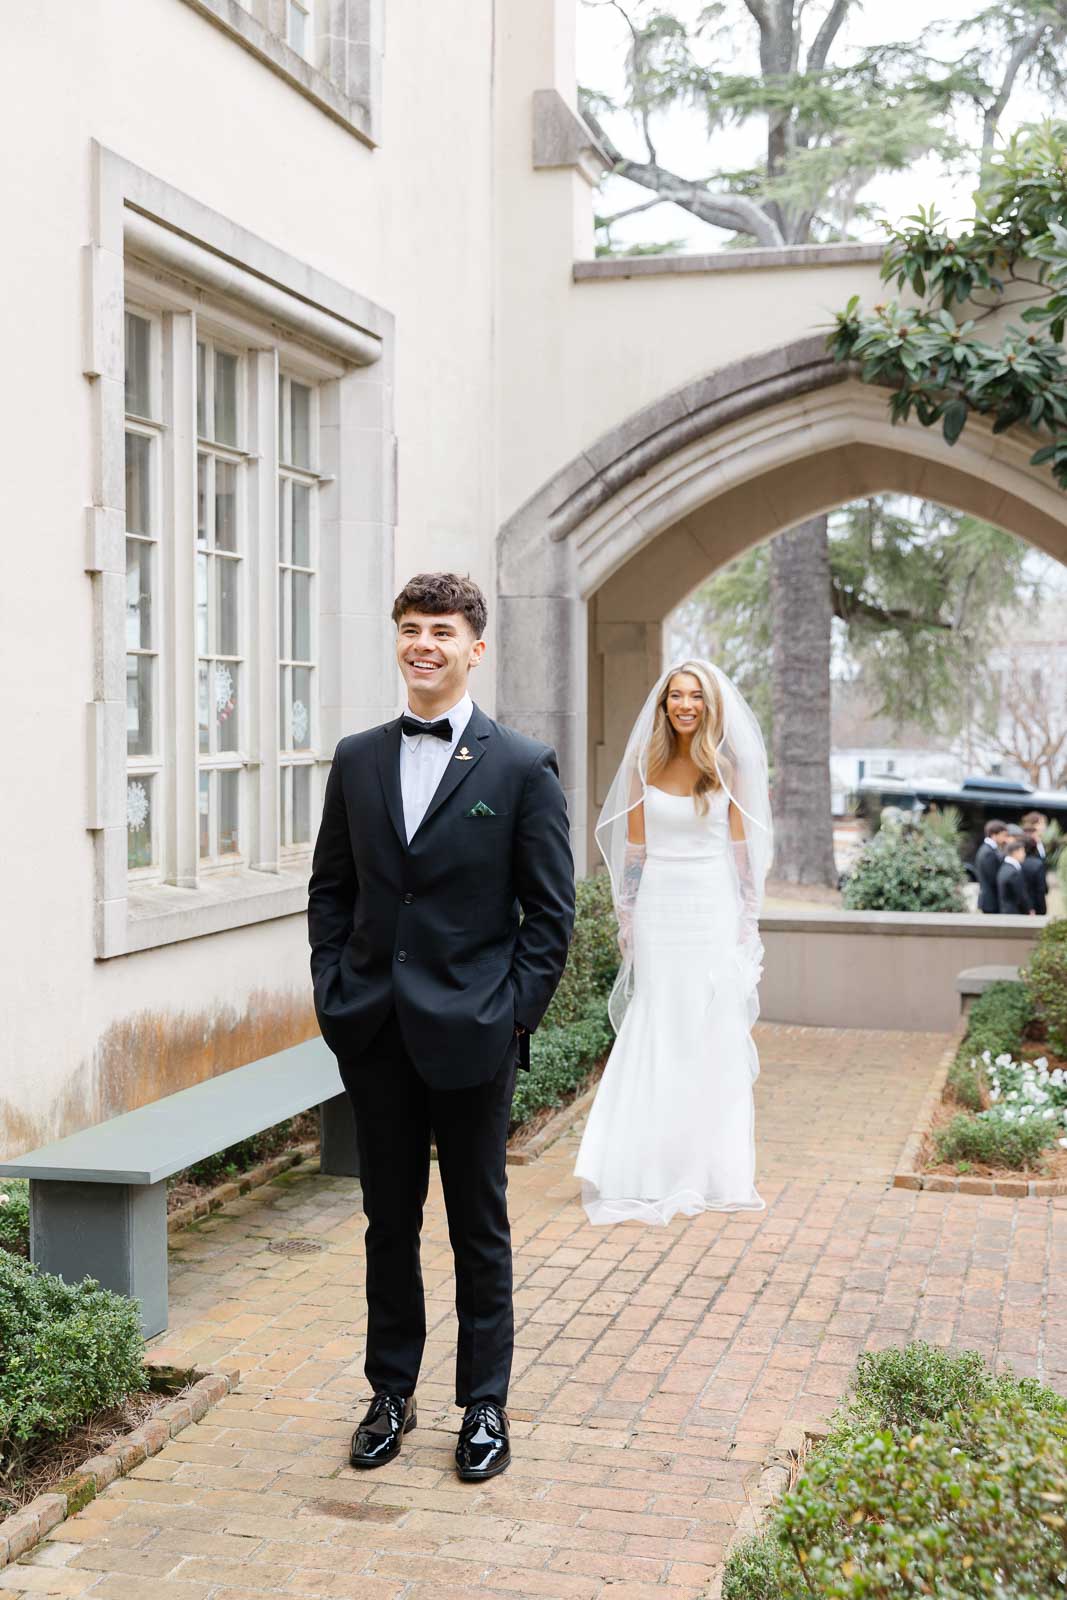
<point x="348" y="87"/>
<point x="233" y="272"/>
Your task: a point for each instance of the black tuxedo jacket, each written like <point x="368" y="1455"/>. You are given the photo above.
<point x="1011" y="891"/>
<point x="987" y="864"/>
<point x="432" y="929"/>
<point x="1035" y="876"/>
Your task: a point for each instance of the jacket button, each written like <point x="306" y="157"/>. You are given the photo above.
<point x="408" y="898"/>
<point x="401" y="955"/>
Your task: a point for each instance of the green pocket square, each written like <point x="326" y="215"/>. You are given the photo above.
<point x="480" y="810"/>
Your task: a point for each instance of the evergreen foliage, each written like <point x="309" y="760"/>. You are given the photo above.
<point x="938" y="1477"/>
<point x="66" y="1351"/>
<point x="906" y="869"/>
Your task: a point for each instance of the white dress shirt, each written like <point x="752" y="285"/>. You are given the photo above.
<point x="424" y="759"/>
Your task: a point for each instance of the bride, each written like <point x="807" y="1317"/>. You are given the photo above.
<point x="686" y="834"/>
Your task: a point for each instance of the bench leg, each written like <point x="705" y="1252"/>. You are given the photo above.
<point x="113" y="1232"/>
<point x="337" y="1135"/>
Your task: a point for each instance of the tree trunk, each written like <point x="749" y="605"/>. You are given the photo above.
<point x="800" y="689"/>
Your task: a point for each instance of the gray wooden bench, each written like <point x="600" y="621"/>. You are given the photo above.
<point x="98" y="1199"/>
<point x="976" y="980"/>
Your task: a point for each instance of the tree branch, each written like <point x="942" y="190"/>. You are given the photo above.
<point x="1022" y="52"/>
<point x="734" y="212"/>
<point x="847" y="605"/>
<point x="830" y="28"/>
<point x="631" y="211"/>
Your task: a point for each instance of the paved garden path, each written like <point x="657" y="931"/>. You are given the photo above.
<point x="654" y="1367"/>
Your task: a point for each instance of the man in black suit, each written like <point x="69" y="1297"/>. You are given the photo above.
<point x="1034" y="876"/>
<point x="1012" y="897"/>
<point x="437" y="830"/>
<point x="1035" y="865"/>
<point x="987" y="865"/>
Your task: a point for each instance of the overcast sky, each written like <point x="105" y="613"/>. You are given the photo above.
<point x="682" y="142"/>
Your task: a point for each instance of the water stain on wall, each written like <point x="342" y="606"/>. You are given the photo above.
<point x="151" y="1054"/>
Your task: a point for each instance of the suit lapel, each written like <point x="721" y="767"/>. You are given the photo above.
<point x="473" y="739"/>
<point x="389" y="773"/>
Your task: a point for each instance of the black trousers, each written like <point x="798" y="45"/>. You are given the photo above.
<point x="396" y="1113"/>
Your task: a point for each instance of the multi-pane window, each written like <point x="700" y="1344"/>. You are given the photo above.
<point x="143" y="750"/>
<point x="220" y="640"/>
<point x="223" y="482"/>
<point x="296" y="608"/>
<point x="300" y="25"/>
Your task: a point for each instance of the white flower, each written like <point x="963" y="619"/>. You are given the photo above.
<point x="1047" y="1116"/>
<point x="1062" y="1143"/>
<point x="1004" y="1060"/>
<point x="1042" y="1062"/>
<point x="1014" y="1094"/>
<point x="986" y="1057"/>
<point x="5" y="1199"/>
<point x="994" y="1094"/>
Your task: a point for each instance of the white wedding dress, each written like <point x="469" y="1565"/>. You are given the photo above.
<point x="672" y="1124"/>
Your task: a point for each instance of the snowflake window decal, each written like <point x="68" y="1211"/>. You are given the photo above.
<point x="301" y="722"/>
<point x="136" y="807"/>
<point x="225" y="691"/>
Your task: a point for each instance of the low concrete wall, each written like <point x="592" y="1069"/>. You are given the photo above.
<point x="881" y="969"/>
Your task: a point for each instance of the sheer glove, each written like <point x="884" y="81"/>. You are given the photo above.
<point x="749" y="944"/>
<point x="633" y="867"/>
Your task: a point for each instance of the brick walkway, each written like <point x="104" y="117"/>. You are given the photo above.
<point x="654" y="1367"/>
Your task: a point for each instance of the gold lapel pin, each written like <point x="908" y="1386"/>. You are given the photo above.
<point x="464" y="754"/>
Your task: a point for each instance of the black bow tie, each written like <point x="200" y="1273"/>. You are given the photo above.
<point x="442" y="729"/>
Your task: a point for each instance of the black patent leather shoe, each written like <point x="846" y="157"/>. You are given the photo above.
<point x="377" y="1439"/>
<point x="484" y="1448"/>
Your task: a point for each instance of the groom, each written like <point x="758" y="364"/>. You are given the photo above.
<point x="437" y="829"/>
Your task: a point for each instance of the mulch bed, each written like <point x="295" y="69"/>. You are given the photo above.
<point x="1053" y="1162"/>
<point x="1053" y="1165"/>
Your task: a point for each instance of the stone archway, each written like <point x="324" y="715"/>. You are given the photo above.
<point x="591" y="565"/>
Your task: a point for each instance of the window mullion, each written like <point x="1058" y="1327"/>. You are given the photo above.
<point x="179" y="555"/>
<point x="262" y="592"/>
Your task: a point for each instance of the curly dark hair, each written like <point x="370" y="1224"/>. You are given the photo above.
<point x="438" y="594"/>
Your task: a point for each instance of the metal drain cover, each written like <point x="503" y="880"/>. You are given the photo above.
<point x="294" y="1247"/>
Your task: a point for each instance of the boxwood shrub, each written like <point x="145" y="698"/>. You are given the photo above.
<point x="995" y="1141"/>
<point x="998" y="1019"/>
<point x="938" y="1478"/>
<point x="15" y="1216"/>
<point x="576" y="1032"/>
<point x="66" y="1351"/>
<point x="1046" y="980"/>
<point x="906" y="869"/>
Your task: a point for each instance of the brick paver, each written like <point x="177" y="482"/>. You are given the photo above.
<point x="653" y="1366"/>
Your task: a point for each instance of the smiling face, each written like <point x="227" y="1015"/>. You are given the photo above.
<point x="435" y="654"/>
<point x="685" y="704"/>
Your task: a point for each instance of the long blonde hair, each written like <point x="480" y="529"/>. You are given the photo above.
<point x="663" y="741"/>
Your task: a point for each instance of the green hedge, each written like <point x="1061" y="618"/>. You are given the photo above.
<point x="998" y="1019"/>
<point x="1046" y="980"/>
<point x="560" y="1061"/>
<point x="938" y="1478"/>
<point x="997" y="1022"/>
<point x="995" y="1142"/>
<point x="66" y="1351"/>
<point x="576" y="1032"/>
<point x="15" y="1216"/>
<point x="906" y="869"/>
<point x="593" y="958"/>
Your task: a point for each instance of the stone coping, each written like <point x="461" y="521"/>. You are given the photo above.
<point x="801" y="255"/>
<point x="909" y="1174"/>
<point x="23" y="1529"/>
<point x="927" y="924"/>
